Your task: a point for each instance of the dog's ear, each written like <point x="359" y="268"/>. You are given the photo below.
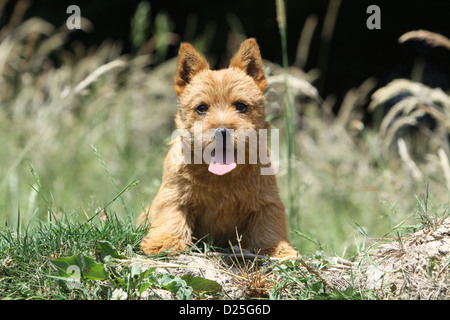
<point x="248" y="58"/>
<point x="190" y="62"/>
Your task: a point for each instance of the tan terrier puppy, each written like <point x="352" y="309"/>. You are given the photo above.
<point x="212" y="185"/>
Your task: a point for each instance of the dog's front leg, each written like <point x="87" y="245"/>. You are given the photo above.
<point x="268" y="232"/>
<point x="170" y="229"/>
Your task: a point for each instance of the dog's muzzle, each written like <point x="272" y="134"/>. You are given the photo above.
<point x="222" y="157"/>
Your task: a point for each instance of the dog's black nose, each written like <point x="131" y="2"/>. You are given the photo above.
<point x="222" y="131"/>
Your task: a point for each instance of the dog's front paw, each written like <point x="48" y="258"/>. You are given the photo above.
<point x="154" y="244"/>
<point x="287" y="254"/>
<point x="283" y="251"/>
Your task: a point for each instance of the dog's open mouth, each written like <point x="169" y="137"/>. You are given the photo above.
<point x="222" y="162"/>
<point x="223" y="159"/>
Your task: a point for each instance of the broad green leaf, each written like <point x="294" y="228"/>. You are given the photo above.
<point x="105" y="248"/>
<point x="184" y="293"/>
<point x="348" y="291"/>
<point x="200" y="284"/>
<point x="88" y="268"/>
<point x="147" y="280"/>
<point x="175" y="285"/>
<point x="317" y="287"/>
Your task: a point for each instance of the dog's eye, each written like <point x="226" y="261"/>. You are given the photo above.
<point x="201" y="109"/>
<point x="240" y="107"/>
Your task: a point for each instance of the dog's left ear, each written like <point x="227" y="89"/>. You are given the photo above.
<point x="248" y="58"/>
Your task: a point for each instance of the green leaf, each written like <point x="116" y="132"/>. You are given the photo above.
<point x="200" y="284"/>
<point x="348" y="292"/>
<point x="175" y="285"/>
<point x="316" y="287"/>
<point x="147" y="280"/>
<point x="182" y="287"/>
<point x="361" y="230"/>
<point x="105" y="248"/>
<point x="87" y="267"/>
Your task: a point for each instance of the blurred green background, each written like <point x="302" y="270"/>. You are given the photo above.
<point x="92" y="110"/>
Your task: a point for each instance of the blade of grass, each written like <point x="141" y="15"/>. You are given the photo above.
<point x="131" y="185"/>
<point x="38" y="181"/>
<point x="120" y="192"/>
<point x="41" y="192"/>
<point x="289" y="109"/>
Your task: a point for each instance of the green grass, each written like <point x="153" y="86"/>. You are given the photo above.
<point x="25" y="260"/>
<point x="34" y="265"/>
<point x="37" y="261"/>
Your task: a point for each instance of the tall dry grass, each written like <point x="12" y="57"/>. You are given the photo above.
<point x="354" y="173"/>
<point x="50" y="116"/>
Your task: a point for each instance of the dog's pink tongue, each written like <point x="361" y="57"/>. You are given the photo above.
<point x="220" y="166"/>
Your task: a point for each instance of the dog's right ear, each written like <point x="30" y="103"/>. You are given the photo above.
<point x="190" y="62"/>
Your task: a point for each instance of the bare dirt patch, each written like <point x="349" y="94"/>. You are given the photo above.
<point x="416" y="267"/>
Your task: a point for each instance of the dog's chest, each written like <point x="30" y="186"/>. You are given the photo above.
<point x="219" y="214"/>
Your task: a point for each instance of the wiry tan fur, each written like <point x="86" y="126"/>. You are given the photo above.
<point x="192" y="202"/>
